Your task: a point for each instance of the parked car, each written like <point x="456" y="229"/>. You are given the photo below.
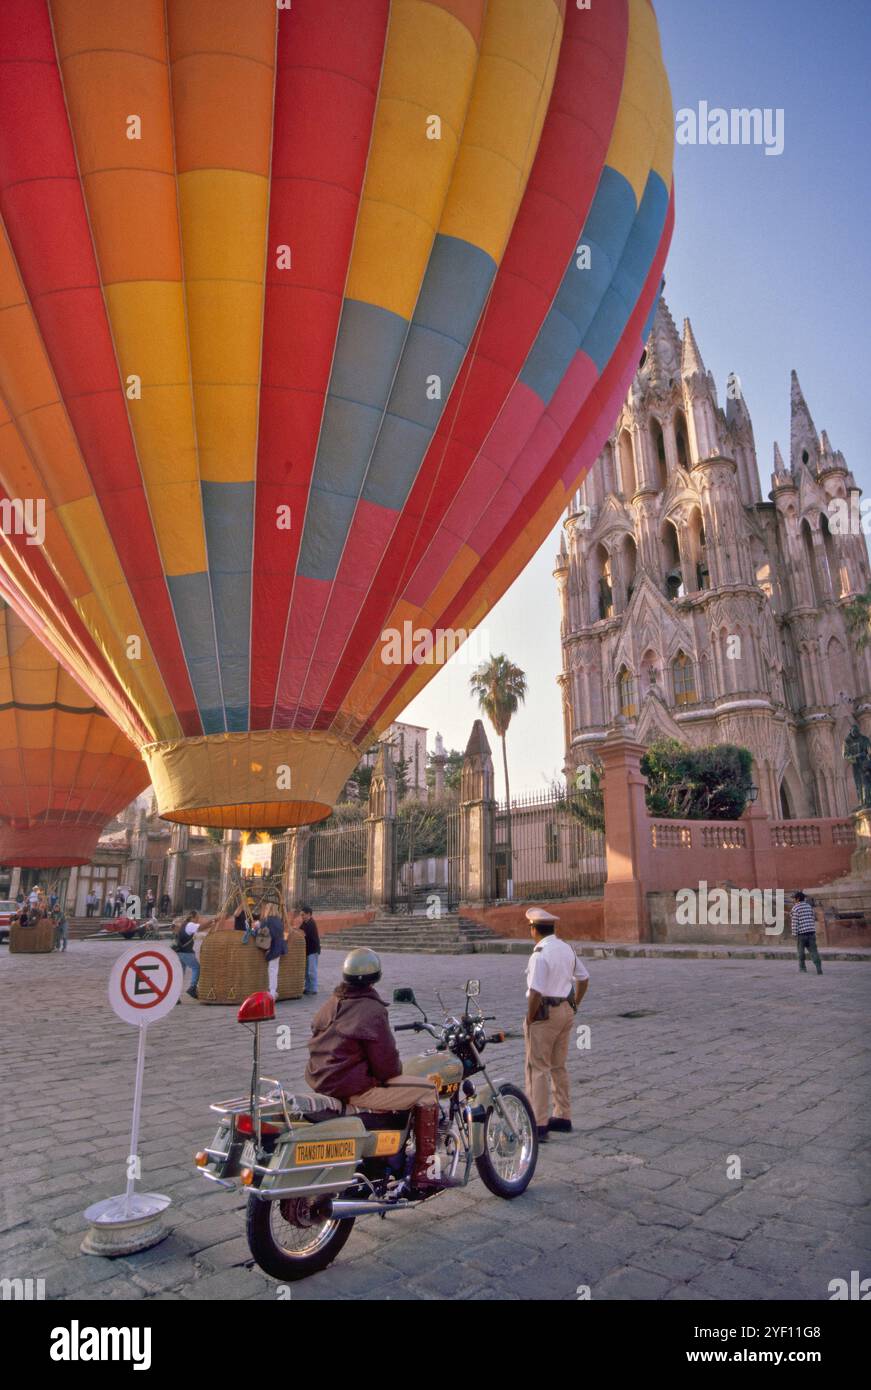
<point x="8" y="910"/>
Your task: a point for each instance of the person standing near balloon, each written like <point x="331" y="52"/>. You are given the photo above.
<point x="277" y="949"/>
<point x="184" y="948"/>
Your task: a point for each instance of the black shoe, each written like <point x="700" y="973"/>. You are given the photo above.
<point x="557" y="1126"/>
<point x="193" y="993"/>
<point x="543" y="1135"/>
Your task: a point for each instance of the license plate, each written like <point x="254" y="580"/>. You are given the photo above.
<point x="326" y="1151"/>
<point x="249" y="1154"/>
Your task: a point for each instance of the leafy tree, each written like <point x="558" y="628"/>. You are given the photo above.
<point x="402" y="769"/>
<point x="711" y="783"/>
<point x="857" y="614"/>
<point x="501" y="688"/>
<point x="588" y="804"/>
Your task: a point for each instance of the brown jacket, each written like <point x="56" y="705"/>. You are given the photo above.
<point x="352" y="1048"/>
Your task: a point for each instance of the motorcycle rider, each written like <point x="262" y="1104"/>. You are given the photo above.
<point x="353" y="1057"/>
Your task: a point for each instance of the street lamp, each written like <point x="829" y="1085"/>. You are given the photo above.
<point x="752" y="793"/>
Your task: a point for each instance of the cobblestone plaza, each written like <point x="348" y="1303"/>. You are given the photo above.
<point x="691" y="1064"/>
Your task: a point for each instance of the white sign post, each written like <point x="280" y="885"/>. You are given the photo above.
<point x="144" y="987"/>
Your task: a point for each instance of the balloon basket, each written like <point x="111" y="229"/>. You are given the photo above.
<point x="31" y="940"/>
<point x="231" y="969"/>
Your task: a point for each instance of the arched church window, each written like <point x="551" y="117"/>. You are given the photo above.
<point x="627" y="465"/>
<point x="658" y="441"/>
<point x="814" y="585"/>
<point x="785" y="806"/>
<point x="605" y="596"/>
<point x="680" y="439"/>
<point x="630" y="564"/>
<point x="684" y="676"/>
<point x="671" y="566"/>
<point x="609" y="485"/>
<point x="837" y="580"/>
<point x="626" y="697"/>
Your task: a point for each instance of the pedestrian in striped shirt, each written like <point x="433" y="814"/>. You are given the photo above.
<point x="804" y="929"/>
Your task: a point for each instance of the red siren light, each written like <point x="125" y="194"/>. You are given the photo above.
<point x="257" y="1008"/>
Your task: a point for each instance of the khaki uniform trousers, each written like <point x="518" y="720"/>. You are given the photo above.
<point x="401" y="1092"/>
<point x="547" y="1047"/>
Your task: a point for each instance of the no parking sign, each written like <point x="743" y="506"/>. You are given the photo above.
<point x="145" y="984"/>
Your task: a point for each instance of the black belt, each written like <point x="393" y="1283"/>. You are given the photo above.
<point x="553" y="1002"/>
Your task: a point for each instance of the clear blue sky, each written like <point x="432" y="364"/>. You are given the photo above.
<point x="770" y="260"/>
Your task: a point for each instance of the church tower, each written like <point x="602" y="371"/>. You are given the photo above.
<point x="696" y="609"/>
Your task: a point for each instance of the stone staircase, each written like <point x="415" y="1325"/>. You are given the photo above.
<point x="417" y="934"/>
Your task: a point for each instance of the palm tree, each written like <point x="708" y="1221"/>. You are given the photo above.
<point x="500" y="687"/>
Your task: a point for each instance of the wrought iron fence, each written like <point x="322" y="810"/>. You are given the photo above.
<point x="336" y="866"/>
<point x="555" y="854"/>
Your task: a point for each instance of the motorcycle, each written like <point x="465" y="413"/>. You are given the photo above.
<point x="312" y="1165"/>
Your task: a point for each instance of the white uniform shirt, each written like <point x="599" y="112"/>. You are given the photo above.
<point x="553" y="967"/>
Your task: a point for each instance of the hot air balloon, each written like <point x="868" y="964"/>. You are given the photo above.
<point x="65" y="770"/>
<point x="311" y="319"/>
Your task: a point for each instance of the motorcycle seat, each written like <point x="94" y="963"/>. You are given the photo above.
<point x="316" y="1107"/>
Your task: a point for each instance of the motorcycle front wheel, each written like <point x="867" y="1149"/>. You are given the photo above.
<point x="292" y="1239"/>
<point x="507" y="1165"/>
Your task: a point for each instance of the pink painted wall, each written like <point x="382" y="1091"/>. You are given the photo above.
<point x="751" y="853"/>
<point x="580" y="919"/>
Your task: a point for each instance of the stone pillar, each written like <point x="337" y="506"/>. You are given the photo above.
<point x="175" y="863"/>
<point x="627" y="833"/>
<point x="230" y="849"/>
<point x="296" y="866"/>
<point x="15" y="882"/>
<point x="477" y="820"/>
<point x="138" y="856"/>
<point x="381" y="830"/>
<point x="758" y="826"/>
<point x="439" y="761"/>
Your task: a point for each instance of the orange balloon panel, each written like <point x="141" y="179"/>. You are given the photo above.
<point x="65" y="769"/>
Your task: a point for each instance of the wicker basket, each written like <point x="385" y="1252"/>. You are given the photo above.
<point x="230" y="970"/>
<point x="38" y="938"/>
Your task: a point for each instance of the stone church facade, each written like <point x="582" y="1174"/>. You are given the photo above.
<point x="696" y="609"/>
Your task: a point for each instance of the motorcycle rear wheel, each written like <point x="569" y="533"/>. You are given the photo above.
<point x="507" y="1166"/>
<point x="294" y="1248"/>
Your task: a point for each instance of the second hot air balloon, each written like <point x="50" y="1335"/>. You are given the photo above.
<point x="65" y="770"/>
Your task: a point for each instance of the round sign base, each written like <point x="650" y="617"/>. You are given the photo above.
<point x="125" y="1225"/>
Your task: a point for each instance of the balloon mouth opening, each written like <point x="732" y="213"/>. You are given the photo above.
<point x="269" y="815"/>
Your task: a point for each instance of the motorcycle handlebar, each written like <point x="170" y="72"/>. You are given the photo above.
<point x="407" y="1027"/>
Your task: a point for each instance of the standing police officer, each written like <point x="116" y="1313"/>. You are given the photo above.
<point x="556" y="983"/>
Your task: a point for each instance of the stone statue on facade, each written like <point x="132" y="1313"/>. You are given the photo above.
<point x="857" y="751"/>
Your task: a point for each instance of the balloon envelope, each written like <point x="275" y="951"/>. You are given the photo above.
<point x="312" y="320"/>
<point x="65" y="769"/>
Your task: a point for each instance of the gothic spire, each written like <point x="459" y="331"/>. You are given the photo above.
<point x="691" y="358"/>
<point x="663" y="349"/>
<point x="804" y="438"/>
